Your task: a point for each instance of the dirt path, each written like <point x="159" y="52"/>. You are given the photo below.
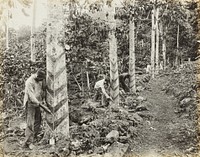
<point x="158" y="135"/>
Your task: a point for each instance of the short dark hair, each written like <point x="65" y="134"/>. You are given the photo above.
<point x="41" y="73"/>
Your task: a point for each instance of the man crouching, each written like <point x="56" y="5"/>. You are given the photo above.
<point x="34" y="95"/>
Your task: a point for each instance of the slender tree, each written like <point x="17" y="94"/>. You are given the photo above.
<point x="7" y="28"/>
<point x="153" y="43"/>
<point x="33" y="53"/>
<point x="57" y="94"/>
<point x="157" y="40"/>
<point x="114" y="75"/>
<point x="163" y="38"/>
<point x="7" y="7"/>
<point x="132" y="54"/>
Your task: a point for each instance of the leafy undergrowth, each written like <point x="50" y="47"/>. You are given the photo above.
<point x="182" y="85"/>
<point x="93" y="129"/>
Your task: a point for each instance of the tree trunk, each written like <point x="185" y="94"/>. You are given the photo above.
<point x="162" y="39"/>
<point x="114" y="76"/>
<point x="33" y="51"/>
<point x="153" y="44"/>
<point x="164" y="52"/>
<point x="132" y="83"/>
<point x="157" y="41"/>
<point x="177" y="47"/>
<point x="7" y="29"/>
<point x="57" y="94"/>
<point x="163" y="35"/>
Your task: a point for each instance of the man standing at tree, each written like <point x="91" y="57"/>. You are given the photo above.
<point x="33" y="97"/>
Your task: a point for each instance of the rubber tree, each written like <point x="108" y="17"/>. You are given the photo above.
<point x="165" y="23"/>
<point x="177" y="47"/>
<point x="178" y="13"/>
<point x="114" y="75"/>
<point x="132" y="82"/>
<point x="57" y="94"/>
<point x="7" y="28"/>
<point x="33" y="51"/>
<point x="6" y="9"/>
<point x="153" y="29"/>
<point x="157" y="40"/>
<point x="163" y="30"/>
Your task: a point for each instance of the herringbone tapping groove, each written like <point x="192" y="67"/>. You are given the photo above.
<point x="57" y="96"/>
<point x="132" y="83"/>
<point x="114" y="76"/>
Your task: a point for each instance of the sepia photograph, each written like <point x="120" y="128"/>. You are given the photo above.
<point x="99" y="78"/>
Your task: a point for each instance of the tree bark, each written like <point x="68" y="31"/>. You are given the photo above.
<point x="7" y="29"/>
<point x="163" y="35"/>
<point x="57" y="94"/>
<point x="157" y="41"/>
<point x="162" y="39"/>
<point x="165" y="48"/>
<point x="33" y="51"/>
<point x="114" y="76"/>
<point x="132" y="82"/>
<point x="153" y="43"/>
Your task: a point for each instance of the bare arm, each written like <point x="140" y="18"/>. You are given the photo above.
<point x="104" y="92"/>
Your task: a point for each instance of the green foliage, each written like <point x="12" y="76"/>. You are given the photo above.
<point x="171" y="14"/>
<point x="87" y="39"/>
<point x="187" y="20"/>
<point x="17" y="67"/>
